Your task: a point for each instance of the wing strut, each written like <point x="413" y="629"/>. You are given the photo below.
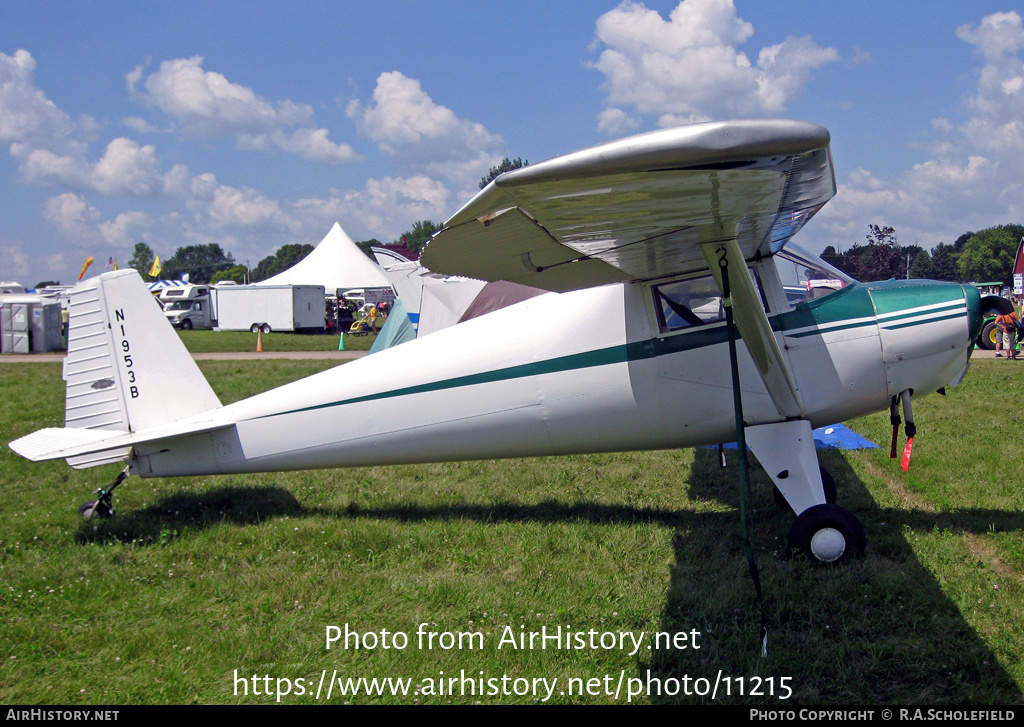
<point x="746" y="516"/>
<point x="730" y="271"/>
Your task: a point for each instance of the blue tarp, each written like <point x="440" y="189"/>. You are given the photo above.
<point x="837" y="436"/>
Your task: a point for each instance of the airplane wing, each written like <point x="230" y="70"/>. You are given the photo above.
<point x="641" y="208"/>
<point x="649" y="206"/>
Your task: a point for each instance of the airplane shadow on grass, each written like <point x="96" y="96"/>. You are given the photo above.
<point x="879" y="630"/>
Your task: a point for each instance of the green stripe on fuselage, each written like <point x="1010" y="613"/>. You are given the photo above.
<point x="853" y="302"/>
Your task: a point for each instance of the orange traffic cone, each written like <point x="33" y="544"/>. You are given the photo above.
<point x="259" y="341"/>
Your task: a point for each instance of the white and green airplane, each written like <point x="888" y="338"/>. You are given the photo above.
<point x="655" y="247"/>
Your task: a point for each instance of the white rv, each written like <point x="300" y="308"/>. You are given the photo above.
<point x="188" y="306"/>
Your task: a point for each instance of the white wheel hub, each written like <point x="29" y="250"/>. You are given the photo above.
<point x="828" y="545"/>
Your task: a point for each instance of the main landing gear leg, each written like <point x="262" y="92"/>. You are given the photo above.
<point x="822" y="529"/>
<point x="104" y="506"/>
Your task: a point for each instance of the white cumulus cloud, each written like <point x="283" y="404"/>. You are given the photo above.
<point x="687" y="68"/>
<point x="28" y="119"/>
<point x="206" y="103"/>
<point x="972" y="178"/>
<point x="422" y="136"/>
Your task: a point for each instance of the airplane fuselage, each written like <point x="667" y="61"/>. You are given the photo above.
<point x="587" y="371"/>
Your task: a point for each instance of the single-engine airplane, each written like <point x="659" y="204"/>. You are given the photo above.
<point x="655" y="247"/>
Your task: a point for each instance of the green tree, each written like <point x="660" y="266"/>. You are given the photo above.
<point x="879" y="259"/>
<point x="199" y="262"/>
<point x="238" y="274"/>
<point x="142" y="258"/>
<point x="988" y="255"/>
<point x="285" y="257"/>
<point x="507" y="165"/>
<point x="921" y="265"/>
<point x="944" y="263"/>
<point x="420" y="234"/>
<point x="365" y="246"/>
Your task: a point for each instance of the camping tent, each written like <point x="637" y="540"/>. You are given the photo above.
<point x="397" y="329"/>
<point x="335" y="263"/>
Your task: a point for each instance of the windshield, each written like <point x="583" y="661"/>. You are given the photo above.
<point x="805" y="276"/>
<point x="179" y="305"/>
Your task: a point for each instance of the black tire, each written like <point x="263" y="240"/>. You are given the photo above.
<point x="254" y="328"/>
<point x="265" y="328"/>
<point x="841" y="536"/>
<point x="94" y="509"/>
<point x="186" y="325"/>
<point x="987" y="339"/>
<point x="827" y="481"/>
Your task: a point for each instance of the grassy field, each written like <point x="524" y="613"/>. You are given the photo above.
<point x="197" y="586"/>
<point x="201" y="341"/>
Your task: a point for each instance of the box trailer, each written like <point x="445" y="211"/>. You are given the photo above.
<point x="269" y="307"/>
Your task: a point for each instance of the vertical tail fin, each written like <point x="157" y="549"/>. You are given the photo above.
<point x="126" y="368"/>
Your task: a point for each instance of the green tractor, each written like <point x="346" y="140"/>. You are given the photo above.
<point x="987" y="337"/>
<point x="989" y="331"/>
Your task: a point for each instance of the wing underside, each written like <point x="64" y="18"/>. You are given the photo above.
<point x="641" y="208"/>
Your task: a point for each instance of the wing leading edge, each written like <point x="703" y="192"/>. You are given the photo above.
<point x="641" y="208"/>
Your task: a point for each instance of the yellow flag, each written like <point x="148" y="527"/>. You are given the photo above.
<point x="155" y="270"/>
<point x="115" y="263"/>
<point x="88" y="262"/>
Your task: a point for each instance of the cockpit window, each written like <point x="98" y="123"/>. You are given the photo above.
<point x="688" y="303"/>
<point x="805" y="276"/>
<point x="693" y="302"/>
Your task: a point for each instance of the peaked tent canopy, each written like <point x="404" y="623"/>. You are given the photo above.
<point x="335" y="263"/>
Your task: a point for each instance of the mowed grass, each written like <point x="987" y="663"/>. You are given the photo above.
<point x="206" y="341"/>
<point x="197" y="582"/>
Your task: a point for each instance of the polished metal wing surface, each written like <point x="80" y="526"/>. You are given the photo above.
<point x="640" y="208"/>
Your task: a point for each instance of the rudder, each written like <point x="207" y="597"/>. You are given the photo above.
<point x="126" y="368"/>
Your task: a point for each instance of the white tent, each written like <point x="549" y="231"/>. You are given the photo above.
<point x="335" y="263"/>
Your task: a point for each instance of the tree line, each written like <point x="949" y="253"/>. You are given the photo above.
<point x="974" y="257"/>
<point x="985" y="256"/>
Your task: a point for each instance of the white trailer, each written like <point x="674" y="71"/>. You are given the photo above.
<point x="269" y="307"/>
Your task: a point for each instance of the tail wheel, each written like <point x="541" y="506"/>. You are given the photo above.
<point x="828" y="533"/>
<point x="95" y="509"/>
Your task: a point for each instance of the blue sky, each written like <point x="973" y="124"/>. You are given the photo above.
<point x="257" y="124"/>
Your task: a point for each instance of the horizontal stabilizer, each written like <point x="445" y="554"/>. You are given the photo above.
<point x="58" y="443"/>
<point x="51" y="443"/>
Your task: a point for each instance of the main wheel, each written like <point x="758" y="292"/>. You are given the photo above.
<point x="265" y="328"/>
<point x="827" y="482"/>
<point x="254" y="328"/>
<point x="94" y="508"/>
<point x="828" y="533"/>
